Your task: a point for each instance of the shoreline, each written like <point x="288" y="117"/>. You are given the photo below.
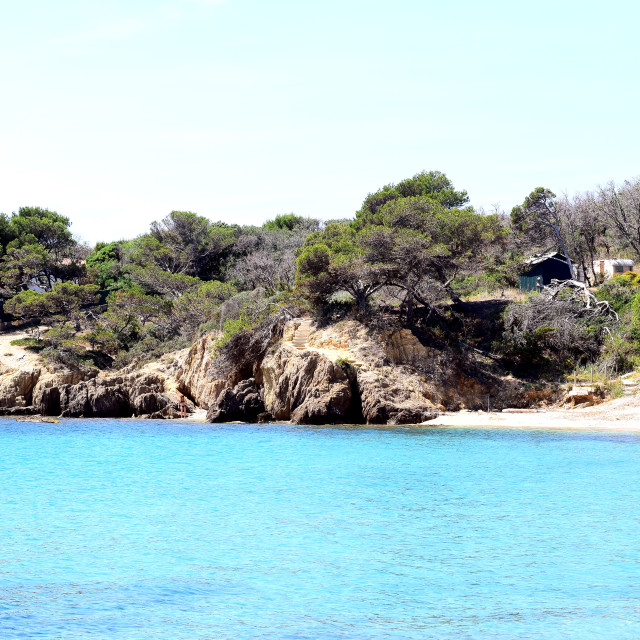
<point x="545" y="420"/>
<point x="619" y="414"/>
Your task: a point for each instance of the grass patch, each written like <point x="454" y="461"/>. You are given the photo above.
<point x="614" y="388"/>
<point x="31" y="344"/>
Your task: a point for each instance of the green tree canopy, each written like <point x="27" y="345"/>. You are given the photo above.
<point x="412" y="236"/>
<point x="62" y="303"/>
<point x="106" y="267"/>
<point x="433" y="185"/>
<point x="185" y="242"/>
<point x="50" y="230"/>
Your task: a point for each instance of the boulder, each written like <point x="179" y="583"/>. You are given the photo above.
<point x="243" y="403"/>
<point x="18" y="384"/>
<point x="394" y="398"/>
<point x="94" y="399"/>
<point x="305" y="387"/>
<point x="109" y="397"/>
<point x="583" y="397"/>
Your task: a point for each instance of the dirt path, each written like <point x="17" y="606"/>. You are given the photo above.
<point x="13" y="357"/>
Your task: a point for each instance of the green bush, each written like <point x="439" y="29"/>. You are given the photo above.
<point x="31" y="344"/>
<point x="231" y="328"/>
<point x="618" y="292"/>
<point x="619" y="353"/>
<point x="615" y="388"/>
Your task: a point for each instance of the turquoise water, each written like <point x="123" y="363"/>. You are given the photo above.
<point x="125" y="529"/>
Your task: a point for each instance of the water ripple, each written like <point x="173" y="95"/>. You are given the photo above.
<point x="126" y="529"/>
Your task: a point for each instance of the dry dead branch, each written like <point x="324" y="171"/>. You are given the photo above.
<point x="578" y="291"/>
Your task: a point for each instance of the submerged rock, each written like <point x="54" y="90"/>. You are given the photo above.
<point x="38" y="418"/>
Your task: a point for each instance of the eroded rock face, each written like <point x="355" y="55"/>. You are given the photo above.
<point x="396" y="398"/>
<point x="305" y="387"/>
<point x="387" y="385"/>
<point x="403" y="347"/>
<point x="191" y="373"/>
<point x="243" y="403"/>
<point x="16" y="387"/>
<point x="115" y="396"/>
<point x="46" y="393"/>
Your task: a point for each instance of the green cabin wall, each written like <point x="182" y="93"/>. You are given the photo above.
<point x="548" y="270"/>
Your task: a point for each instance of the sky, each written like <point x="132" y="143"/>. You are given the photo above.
<point x="115" y="113"/>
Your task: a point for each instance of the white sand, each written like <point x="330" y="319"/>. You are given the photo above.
<point x="622" y="414"/>
<point x="12" y="357"/>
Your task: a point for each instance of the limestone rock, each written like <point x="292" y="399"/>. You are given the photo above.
<point x="191" y="372"/>
<point x="305" y="386"/>
<point x="18" y="384"/>
<point x="243" y="402"/>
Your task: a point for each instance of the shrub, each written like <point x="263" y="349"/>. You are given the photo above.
<point x="614" y="388"/>
<point x="31" y="344"/>
<point x="618" y="292"/>
<point x="619" y="353"/>
<point x="475" y="284"/>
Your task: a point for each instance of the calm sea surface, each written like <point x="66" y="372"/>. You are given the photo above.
<point x="124" y="529"/>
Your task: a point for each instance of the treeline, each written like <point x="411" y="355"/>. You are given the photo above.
<point x="137" y="298"/>
<point x="411" y="254"/>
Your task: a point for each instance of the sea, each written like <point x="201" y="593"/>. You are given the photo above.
<point x="138" y="529"/>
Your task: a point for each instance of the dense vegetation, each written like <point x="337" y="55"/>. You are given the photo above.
<point x="415" y="254"/>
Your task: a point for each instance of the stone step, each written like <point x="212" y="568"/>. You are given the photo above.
<point x="302" y="333"/>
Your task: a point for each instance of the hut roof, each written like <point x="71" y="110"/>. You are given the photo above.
<point x="538" y="258"/>
<point x="622" y="262"/>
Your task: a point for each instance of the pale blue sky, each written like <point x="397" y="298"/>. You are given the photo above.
<point x="116" y="112"/>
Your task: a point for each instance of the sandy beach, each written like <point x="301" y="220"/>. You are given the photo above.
<point x="620" y="414"/>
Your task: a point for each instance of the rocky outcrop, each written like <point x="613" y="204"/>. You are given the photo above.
<point x="388" y="387"/>
<point x="116" y="396"/>
<point x="191" y="372"/>
<point x="304" y="386"/>
<point x="243" y="403"/>
<point x="16" y="387"/>
<point x="401" y="346"/>
<point x="398" y="398"/>
<point x="345" y="373"/>
<point x="46" y="393"/>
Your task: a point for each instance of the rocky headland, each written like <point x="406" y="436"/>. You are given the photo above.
<point x="343" y="373"/>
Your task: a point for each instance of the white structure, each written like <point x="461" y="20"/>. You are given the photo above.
<point x="612" y="267"/>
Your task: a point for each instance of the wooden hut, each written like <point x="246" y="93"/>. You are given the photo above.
<point x="547" y="267"/>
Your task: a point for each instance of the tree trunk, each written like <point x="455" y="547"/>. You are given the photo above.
<point x="564" y="250"/>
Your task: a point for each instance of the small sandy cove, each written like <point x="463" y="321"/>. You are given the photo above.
<point x="621" y="414"/>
